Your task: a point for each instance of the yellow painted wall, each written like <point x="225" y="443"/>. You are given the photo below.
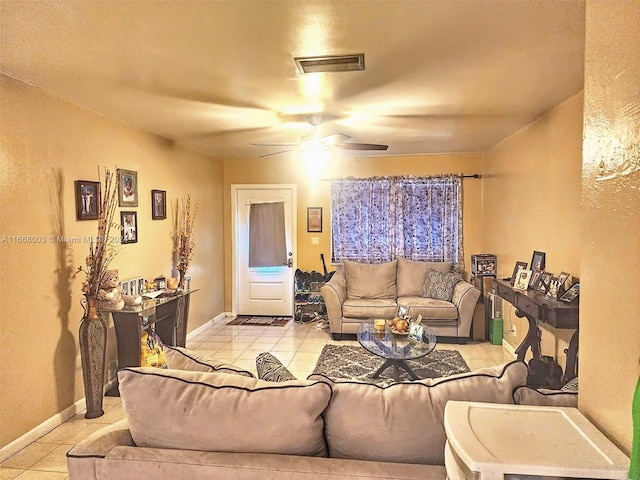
<point x="610" y="267"/>
<point x="531" y="201"/>
<point x="43" y="139"/>
<point x="314" y="191"/>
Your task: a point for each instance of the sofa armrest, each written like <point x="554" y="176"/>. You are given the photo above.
<point x="465" y="298"/>
<point x="334" y="293"/>
<point x="81" y="459"/>
<point x="526" y="395"/>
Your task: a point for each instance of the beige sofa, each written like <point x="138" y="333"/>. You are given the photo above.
<point x="199" y="425"/>
<point x="358" y="291"/>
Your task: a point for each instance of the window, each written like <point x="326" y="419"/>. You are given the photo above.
<point x="376" y="219"/>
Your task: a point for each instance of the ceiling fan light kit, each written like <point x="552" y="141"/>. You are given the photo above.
<point x="312" y="142"/>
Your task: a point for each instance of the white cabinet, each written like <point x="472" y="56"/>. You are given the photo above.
<point x="487" y="441"/>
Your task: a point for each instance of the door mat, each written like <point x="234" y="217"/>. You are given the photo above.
<point x="355" y="363"/>
<point x="260" y="320"/>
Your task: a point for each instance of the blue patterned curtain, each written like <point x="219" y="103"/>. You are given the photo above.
<point x="376" y="219"/>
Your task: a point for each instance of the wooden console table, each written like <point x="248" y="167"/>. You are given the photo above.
<point x="169" y="316"/>
<point x="535" y="307"/>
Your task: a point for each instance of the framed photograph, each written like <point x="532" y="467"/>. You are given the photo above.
<point x="537" y="260"/>
<point x="133" y="288"/>
<point x="141" y="285"/>
<point x="571" y="294"/>
<point x="519" y="266"/>
<point x="415" y="332"/>
<point x="402" y="312"/>
<point x="562" y="279"/>
<point x="535" y="279"/>
<point x="522" y="279"/>
<point x="314" y="219"/>
<point x="87" y="200"/>
<point x="158" y="204"/>
<point x="545" y="281"/>
<point x="127" y="188"/>
<point x="125" y="288"/>
<point x="129" y="221"/>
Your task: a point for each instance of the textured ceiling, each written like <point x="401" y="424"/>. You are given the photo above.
<point x="441" y="76"/>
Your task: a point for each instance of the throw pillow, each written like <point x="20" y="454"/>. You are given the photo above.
<point x="439" y="285"/>
<point x="365" y="280"/>
<point x="271" y="369"/>
<point x="571" y="385"/>
<point x="179" y="358"/>
<point x="411" y="275"/>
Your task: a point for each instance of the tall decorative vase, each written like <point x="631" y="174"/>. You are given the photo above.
<point x="93" y="340"/>
<point x="181" y="281"/>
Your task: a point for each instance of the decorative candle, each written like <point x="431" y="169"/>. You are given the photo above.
<point x="379" y="324"/>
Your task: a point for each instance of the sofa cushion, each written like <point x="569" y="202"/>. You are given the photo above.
<point x="366" y="280"/>
<point x="429" y="308"/>
<point x="403" y="422"/>
<point x="439" y="285"/>
<point x="271" y="369"/>
<point x="369" y="308"/>
<point x="179" y="358"/>
<point x="226" y="413"/>
<point x="411" y="275"/>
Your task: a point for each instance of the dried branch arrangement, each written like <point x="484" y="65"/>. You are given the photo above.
<point x="185" y="234"/>
<point x="104" y="247"/>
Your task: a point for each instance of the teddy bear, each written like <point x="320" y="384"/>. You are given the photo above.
<point x="111" y="295"/>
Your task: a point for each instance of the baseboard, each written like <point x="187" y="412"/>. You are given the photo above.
<point x="59" y="418"/>
<point x="509" y="348"/>
<point x="206" y="325"/>
<point x="41" y="430"/>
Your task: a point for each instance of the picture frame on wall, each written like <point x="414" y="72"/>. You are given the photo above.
<point x="127" y="188"/>
<point x="158" y="204"/>
<point x="314" y="219"/>
<point x="538" y="260"/>
<point x="519" y="266"/>
<point x="87" y="200"/>
<point x="129" y="222"/>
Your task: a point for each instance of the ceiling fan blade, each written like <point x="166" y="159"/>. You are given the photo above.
<point x="362" y="146"/>
<point x="274" y="144"/>
<point x="275" y="153"/>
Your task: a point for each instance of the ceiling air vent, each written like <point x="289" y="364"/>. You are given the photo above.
<point x="330" y="63"/>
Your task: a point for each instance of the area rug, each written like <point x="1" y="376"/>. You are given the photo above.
<point x="340" y="362"/>
<point x="263" y="321"/>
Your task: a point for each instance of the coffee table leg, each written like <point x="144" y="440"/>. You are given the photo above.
<point x="407" y="369"/>
<point x="397" y="365"/>
<point x="382" y="368"/>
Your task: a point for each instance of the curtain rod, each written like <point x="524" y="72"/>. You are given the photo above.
<point x="461" y="175"/>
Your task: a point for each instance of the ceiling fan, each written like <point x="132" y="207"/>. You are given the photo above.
<point x="314" y="142"/>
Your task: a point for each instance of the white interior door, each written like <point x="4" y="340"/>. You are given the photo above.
<point x="263" y="290"/>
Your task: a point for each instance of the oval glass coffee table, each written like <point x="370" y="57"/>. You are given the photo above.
<point x="395" y="349"/>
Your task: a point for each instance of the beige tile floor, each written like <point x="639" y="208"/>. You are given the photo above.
<point x="296" y="345"/>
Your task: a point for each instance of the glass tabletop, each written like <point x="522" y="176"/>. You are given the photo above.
<point x="393" y="346"/>
<point x="151" y="303"/>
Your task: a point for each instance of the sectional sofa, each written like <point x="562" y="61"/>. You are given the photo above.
<point x="359" y="291"/>
<point x="210" y="420"/>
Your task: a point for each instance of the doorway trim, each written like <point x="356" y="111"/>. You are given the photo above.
<point x="234" y="228"/>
